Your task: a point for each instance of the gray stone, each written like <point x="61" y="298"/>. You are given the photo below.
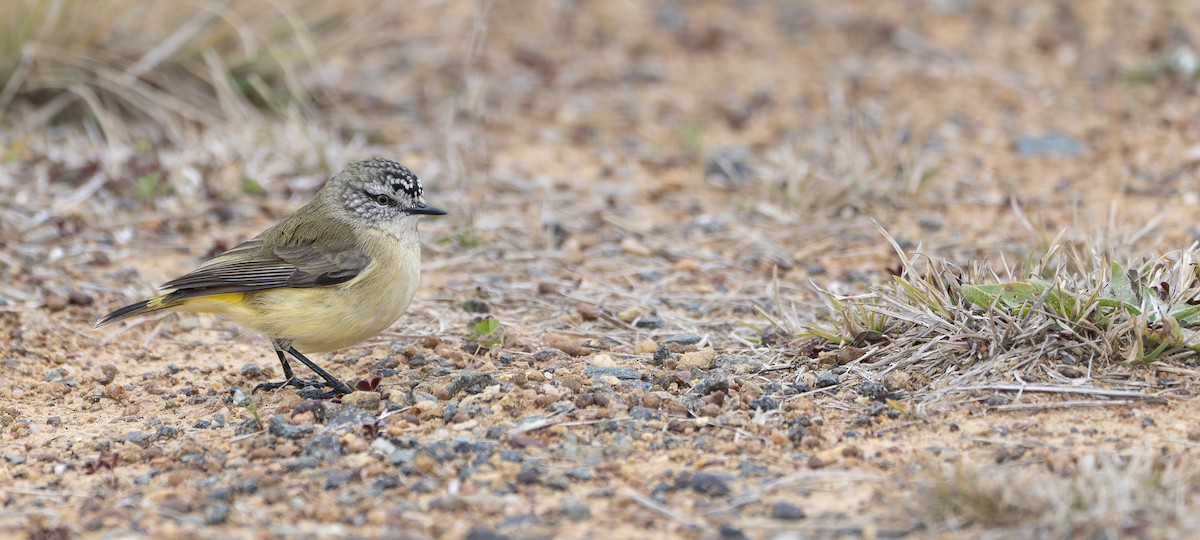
<point x="140" y="438"/>
<point x="574" y="509"/>
<point x="682" y="339"/>
<point x="1053" y="144"/>
<point x="279" y="428"/>
<point x="623" y="373"/>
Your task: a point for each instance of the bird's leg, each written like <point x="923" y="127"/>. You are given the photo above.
<point x="337" y="388"/>
<point x="289" y="378"/>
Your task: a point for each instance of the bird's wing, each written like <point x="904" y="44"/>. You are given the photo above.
<point x="296" y="260"/>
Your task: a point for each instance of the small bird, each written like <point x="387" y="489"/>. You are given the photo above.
<point x="339" y="271"/>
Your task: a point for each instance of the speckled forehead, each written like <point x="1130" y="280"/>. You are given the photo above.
<point x="398" y="177"/>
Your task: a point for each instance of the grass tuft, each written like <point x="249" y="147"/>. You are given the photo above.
<point x="966" y="326"/>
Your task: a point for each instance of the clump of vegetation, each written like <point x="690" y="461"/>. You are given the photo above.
<point x="972" y="325"/>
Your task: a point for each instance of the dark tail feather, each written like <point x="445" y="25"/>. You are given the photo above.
<point x="145" y="306"/>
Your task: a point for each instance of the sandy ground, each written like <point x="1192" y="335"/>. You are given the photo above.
<point x="632" y="186"/>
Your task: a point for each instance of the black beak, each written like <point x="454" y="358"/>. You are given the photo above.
<point x="425" y="209"/>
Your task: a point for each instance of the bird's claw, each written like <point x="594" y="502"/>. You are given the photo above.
<point x="298" y="383"/>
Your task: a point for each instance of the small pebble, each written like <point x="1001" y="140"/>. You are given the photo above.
<point x="705" y="483"/>
<point x="622" y="373"/>
<point x="302" y="463"/>
<point x="277" y="427"/>
<point x="651" y="322"/>
<point x="367" y="401"/>
<point x="827" y="379"/>
<point x="574" y="509"/>
<point x="79" y="298"/>
<point x="140" y="438"/>
<point x="701" y="359"/>
<point x="1053" y="144"/>
<point x="475" y="305"/>
<point x="786" y="510"/>
<point x="682" y="339"/>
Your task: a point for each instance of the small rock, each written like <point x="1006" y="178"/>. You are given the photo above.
<point x="471" y="383"/>
<point x="531" y="471"/>
<point x="574" y="509"/>
<point x="739" y="363"/>
<point x="773" y="335"/>
<point x="661" y="354"/>
<point x="251" y="371"/>
<point x="484" y="533"/>
<point x="701" y="359"/>
<point x="216" y="513"/>
<point x="713" y="382"/>
<point x="729" y="167"/>
<point x="649" y="275"/>
<point x="628" y="374"/>
<point x="786" y="511"/>
<point x="873" y="390"/>
<point x="930" y="223"/>
<point x="705" y="483"/>
<point x="764" y="404"/>
<point x="632" y="246"/>
<point x="827" y="379"/>
<point x="352" y="417"/>
<point x="367" y="401"/>
<point x="475" y="305"/>
<point x="108" y="372"/>
<point x="56" y="374"/>
<point x="245" y="427"/>
<point x="55" y="302"/>
<point x="402" y="457"/>
<point x="997" y="400"/>
<point x="166" y="432"/>
<point x="325" y="447"/>
<point x="644" y="413"/>
<point x="302" y="463"/>
<point x="14" y="459"/>
<point x="337" y="478"/>
<point x="682" y="339"/>
<point x="277" y="427"/>
<point x="189" y="323"/>
<point x="239" y="398"/>
<point x="140" y="438"/>
<point x="1054" y="144"/>
<point x="383" y="446"/>
<point x="79" y="298"/>
<point x="650" y="322"/>
<point x="729" y="532"/>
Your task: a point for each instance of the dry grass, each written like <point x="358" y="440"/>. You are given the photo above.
<point x="1064" y="318"/>
<point x="132" y="69"/>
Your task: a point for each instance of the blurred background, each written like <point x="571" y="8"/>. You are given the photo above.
<point x="796" y="108"/>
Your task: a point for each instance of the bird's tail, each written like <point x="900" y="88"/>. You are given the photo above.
<point x="145" y="306"/>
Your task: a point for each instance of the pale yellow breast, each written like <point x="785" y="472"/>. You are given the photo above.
<point x="321" y="319"/>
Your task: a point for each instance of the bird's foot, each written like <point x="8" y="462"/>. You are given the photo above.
<point x="298" y="383"/>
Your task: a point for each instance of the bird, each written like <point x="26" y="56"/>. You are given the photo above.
<point x="339" y="271"/>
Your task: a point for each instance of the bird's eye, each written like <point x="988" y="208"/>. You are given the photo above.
<point x="383" y="200"/>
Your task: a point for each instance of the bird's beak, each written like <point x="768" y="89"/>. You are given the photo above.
<point x="425" y="209"/>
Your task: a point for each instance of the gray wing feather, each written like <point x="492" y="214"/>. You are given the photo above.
<point x="252" y="267"/>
